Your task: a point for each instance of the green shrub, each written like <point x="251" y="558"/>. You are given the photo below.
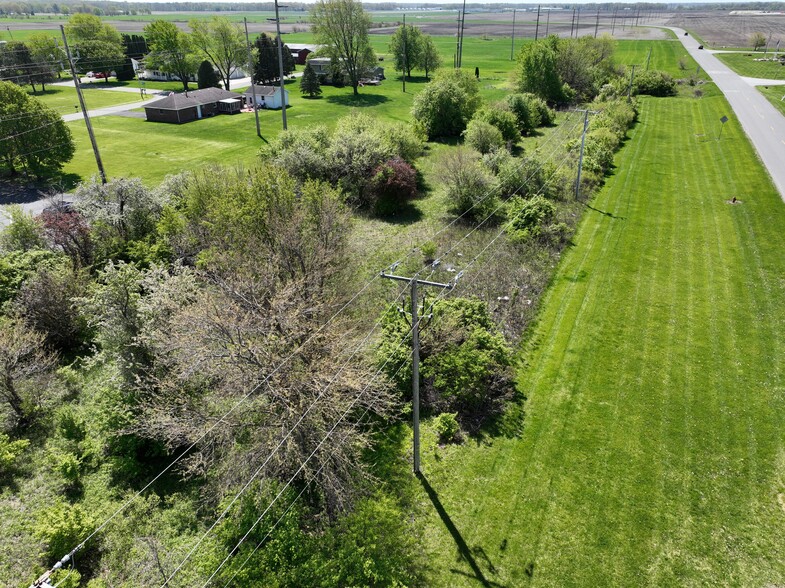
<point x="528" y="217"/>
<point x="467" y="184"/>
<point x="62" y="527"/>
<point x="17" y="266"/>
<point x="23" y="233"/>
<point x="483" y="136"/>
<point x="446" y="105"/>
<point x="502" y="119"/>
<point x="447" y="427"/>
<point x="10" y="451"/>
<point x="654" y="83"/>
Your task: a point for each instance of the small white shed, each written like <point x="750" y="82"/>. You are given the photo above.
<point x="266" y="96"/>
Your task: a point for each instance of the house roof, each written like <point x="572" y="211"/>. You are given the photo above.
<point x="301" y="46"/>
<point x="263" y="90"/>
<point x="191" y="99"/>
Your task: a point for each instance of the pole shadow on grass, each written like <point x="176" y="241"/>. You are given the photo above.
<point x="608" y="214"/>
<point x="467" y="553"/>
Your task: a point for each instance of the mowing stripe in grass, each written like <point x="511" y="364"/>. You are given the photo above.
<point x="653" y="450"/>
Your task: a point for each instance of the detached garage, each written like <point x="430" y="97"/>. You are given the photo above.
<point x="266" y="96"/>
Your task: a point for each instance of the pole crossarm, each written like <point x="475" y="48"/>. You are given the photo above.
<point x="451" y="285"/>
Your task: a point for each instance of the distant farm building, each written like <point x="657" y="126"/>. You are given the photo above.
<point x="154" y="75"/>
<point x="300" y="52"/>
<point x="188" y="106"/>
<point x="266" y="96"/>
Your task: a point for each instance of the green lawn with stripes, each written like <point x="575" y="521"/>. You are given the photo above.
<point x="775" y="95"/>
<point x="744" y="64"/>
<point x="653" y="447"/>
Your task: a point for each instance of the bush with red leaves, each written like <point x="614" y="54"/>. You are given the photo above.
<point x="67" y="230"/>
<point x="394" y="182"/>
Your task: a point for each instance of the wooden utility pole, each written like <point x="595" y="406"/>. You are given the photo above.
<point x="580" y="160"/>
<point x="597" y="23"/>
<point x="512" y="46"/>
<point x="253" y="86"/>
<point x="414" y="282"/>
<point x="280" y="64"/>
<point x="537" y="26"/>
<point x="404" y="52"/>
<point x="78" y="84"/>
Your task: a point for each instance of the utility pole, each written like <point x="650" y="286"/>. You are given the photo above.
<point x="414" y="282"/>
<point x="512" y="46"/>
<point x="460" y="41"/>
<point x="537" y="27"/>
<point x="580" y="160"/>
<point x="547" y="22"/>
<point x="253" y="86"/>
<point x="456" y="60"/>
<point x="404" y="53"/>
<point x="577" y="21"/>
<point x="597" y="23"/>
<point x="629" y="90"/>
<point x="613" y="20"/>
<point x="648" y="58"/>
<point x="89" y="126"/>
<point x="572" y="23"/>
<point x="280" y="64"/>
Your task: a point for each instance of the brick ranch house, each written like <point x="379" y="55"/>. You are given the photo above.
<point x="193" y="105"/>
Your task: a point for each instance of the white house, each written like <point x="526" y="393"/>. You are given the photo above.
<point x="154" y="75"/>
<point x="266" y="96"/>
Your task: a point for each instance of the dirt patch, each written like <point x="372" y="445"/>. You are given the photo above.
<point x="719" y="29"/>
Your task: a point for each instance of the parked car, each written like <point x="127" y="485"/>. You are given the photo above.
<point x="89" y="74"/>
<point x="100" y="75"/>
<point x="700" y="46"/>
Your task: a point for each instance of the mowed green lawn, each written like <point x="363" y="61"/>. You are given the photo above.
<point x="653" y="446"/>
<point x="744" y="64"/>
<point x="775" y="95"/>
<point x="65" y="101"/>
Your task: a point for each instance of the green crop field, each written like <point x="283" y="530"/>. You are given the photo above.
<point x="775" y="95"/>
<point x="652" y="451"/>
<point x="744" y="64"/>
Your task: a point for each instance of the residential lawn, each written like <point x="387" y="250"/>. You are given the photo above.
<point x="775" y="95"/>
<point x="65" y="100"/>
<point x="744" y="64"/>
<point x="652" y="451"/>
<point x="24" y="34"/>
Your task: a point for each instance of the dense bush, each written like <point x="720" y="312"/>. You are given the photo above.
<point x="394" y="182"/>
<point x="61" y="527"/>
<point x="17" y="266"/>
<point x="447" y="427"/>
<point x="23" y="233"/>
<point x="467" y="184"/>
<point x="528" y="217"/>
<point x="447" y="104"/>
<point x="10" y="451"/>
<point x="483" y="136"/>
<point x="502" y="119"/>
<point x="530" y="111"/>
<point x="654" y="83"/>
<point x="465" y="361"/>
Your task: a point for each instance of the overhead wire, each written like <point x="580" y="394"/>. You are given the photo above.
<point x="253" y="477"/>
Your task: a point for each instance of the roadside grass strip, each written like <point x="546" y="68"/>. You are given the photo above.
<point x="653" y="447"/>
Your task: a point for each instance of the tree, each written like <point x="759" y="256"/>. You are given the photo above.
<point x="171" y="50"/>
<point x="537" y="72"/>
<point x="406" y="46"/>
<point x="757" y="40"/>
<point x="431" y="60"/>
<point x="99" y="45"/>
<point x="206" y="76"/>
<point x="309" y="83"/>
<point x="342" y="26"/>
<point x="16" y="63"/>
<point x="24" y="365"/>
<point x="222" y="42"/>
<point x="33" y="137"/>
<point x="447" y="104"/>
<point x="266" y="67"/>
<point x="48" y="57"/>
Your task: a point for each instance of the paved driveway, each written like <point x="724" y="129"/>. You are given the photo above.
<point x="763" y="123"/>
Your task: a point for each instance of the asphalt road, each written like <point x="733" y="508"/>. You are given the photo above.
<point x="763" y="123"/>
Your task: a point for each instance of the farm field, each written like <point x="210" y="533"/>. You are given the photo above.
<point x="717" y="29"/>
<point x="744" y="64"/>
<point x="774" y="94"/>
<point x="651" y="452"/>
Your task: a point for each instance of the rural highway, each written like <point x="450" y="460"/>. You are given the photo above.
<point x="763" y="123"/>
